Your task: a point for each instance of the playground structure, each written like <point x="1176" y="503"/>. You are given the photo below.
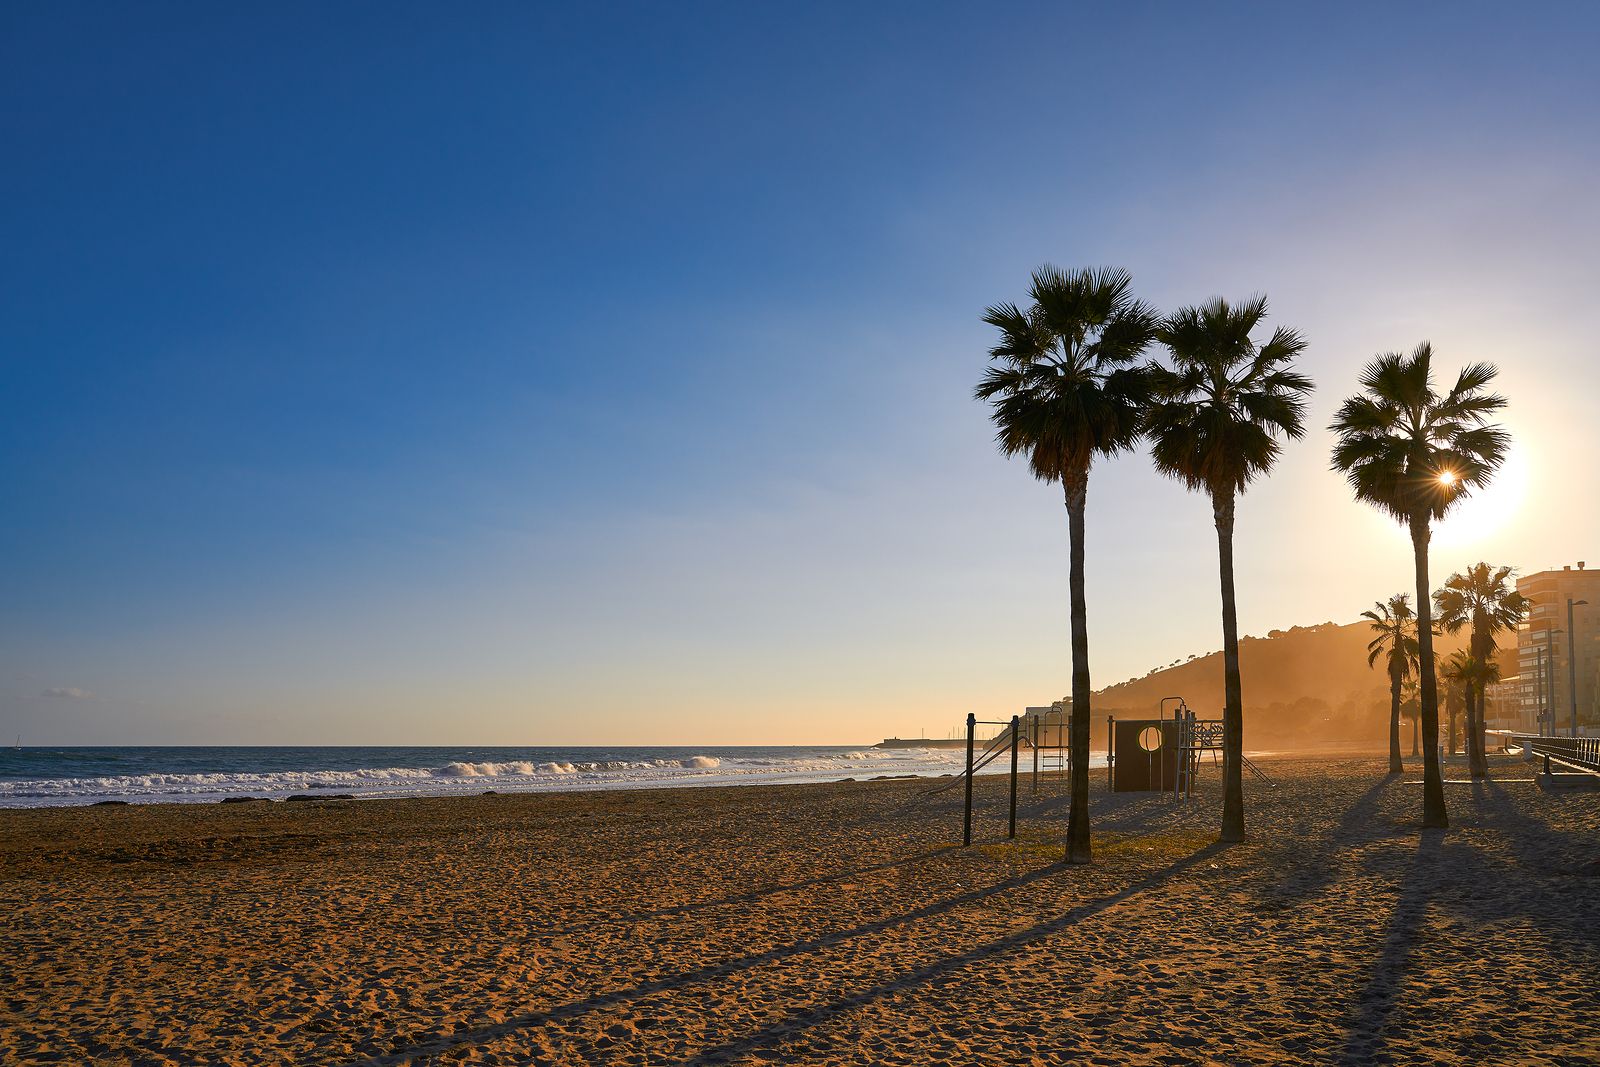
<point x="1156" y="755"/>
<point x="1171" y="751"/>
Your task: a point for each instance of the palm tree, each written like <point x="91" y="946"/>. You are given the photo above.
<point x="1410" y="711"/>
<point x="1413" y="452"/>
<point x="1216" y="425"/>
<point x="1395" y="625"/>
<point x="1480" y="598"/>
<point x="1454" y="701"/>
<point x="1064" y="388"/>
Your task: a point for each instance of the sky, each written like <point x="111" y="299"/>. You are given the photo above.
<point x="601" y="374"/>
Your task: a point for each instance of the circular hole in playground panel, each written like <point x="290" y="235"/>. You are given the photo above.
<point x="1150" y="738"/>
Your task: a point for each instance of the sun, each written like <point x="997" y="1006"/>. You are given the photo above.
<point x="1489" y="510"/>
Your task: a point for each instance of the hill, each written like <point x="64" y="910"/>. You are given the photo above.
<point x="1304" y="685"/>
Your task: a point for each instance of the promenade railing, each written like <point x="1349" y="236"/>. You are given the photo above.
<point x="1579" y="752"/>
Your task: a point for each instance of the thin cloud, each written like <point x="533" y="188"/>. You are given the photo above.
<point x="69" y="693"/>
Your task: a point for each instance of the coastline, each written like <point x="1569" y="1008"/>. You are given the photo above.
<point x="829" y="923"/>
<point x="45" y="777"/>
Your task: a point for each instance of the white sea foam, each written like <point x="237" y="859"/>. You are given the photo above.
<point x="466" y="776"/>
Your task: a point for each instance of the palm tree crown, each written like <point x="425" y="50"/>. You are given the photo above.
<point x="1062" y="384"/>
<point x="1397" y="643"/>
<point x="1411" y="451"/>
<point x="1220" y="412"/>
<point x="1462" y="668"/>
<point x="1395" y="626"/>
<point x="1480" y="598"/>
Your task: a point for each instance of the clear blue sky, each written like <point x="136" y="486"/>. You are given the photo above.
<point x="537" y="374"/>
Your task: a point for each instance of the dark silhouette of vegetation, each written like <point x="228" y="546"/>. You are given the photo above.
<point x="1480" y="598"/>
<point x="1412" y="452"/>
<point x="1455" y="699"/>
<point x="1216" y="424"/>
<point x="1064" y="387"/>
<point x="1411" y="714"/>
<point x="1395" y="625"/>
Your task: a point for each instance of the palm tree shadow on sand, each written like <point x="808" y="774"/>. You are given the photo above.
<point x="1456" y="879"/>
<point x="1382" y="992"/>
<point x="809" y="1018"/>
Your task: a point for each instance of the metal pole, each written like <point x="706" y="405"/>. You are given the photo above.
<point x="1572" y="663"/>
<point x="1111" y="748"/>
<point x="1016" y="749"/>
<point x="966" y="830"/>
<point x="1538" y="686"/>
<point x="1034" y="719"/>
<point x="1550" y="677"/>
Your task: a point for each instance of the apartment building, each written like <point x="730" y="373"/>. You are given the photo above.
<point x="1546" y="668"/>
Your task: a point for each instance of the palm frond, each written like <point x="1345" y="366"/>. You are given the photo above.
<point x="1397" y="437"/>
<point x="1220" y="413"/>
<point x="1062" y="389"/>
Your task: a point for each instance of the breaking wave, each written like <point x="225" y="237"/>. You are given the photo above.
<point x="457" y="776"/>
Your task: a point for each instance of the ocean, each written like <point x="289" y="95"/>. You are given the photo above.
<point x="47" y="776"/>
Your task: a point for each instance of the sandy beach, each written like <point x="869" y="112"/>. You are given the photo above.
<point x="827" y="924"/>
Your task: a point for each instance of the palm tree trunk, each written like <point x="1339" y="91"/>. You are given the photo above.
<point x="1076" y="487"/>
<point x="1480" y="726"/>
<point x="1451" y="711"/>
<point x="1232" y="694"/>
<point x="1433" y="811"/>
<point x="1469" y="693"/>
<point x="1477" y="765"/>
<point x="1396" y="764"/>
<point x="1415" y="732"/>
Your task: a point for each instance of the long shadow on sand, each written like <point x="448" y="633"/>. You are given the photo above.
<point x="698" y="975"/>
<point x="1466" y="882"/>
<point x="803" y="1020"/>
<point x="1537" y="844"/>
<point x="1316" y="863"/>
<point x="813" y="1017"/>
<point x="749" y="897"/>
<point x="1382" y="991"/>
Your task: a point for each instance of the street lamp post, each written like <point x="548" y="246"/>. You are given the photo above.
<point x="1572" y="663"/>
<point x="1550" y="675"/>
<point x="1538" y="686"/>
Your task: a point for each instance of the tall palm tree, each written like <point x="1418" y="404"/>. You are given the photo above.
<point x="1395" y="626"/>
<point x="1216" y="425"/>
<point x="1481" y="598"/>
<point x="1412" y="452"/>
<point x="1063" y="388"/>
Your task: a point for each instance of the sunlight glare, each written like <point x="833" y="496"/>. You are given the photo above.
<point x="1488" y="510"/>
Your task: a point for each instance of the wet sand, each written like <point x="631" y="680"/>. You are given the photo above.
<point x="832" y="924"/>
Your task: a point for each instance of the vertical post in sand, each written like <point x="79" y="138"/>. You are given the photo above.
<point x="1016" y="748"/>
<point x="1034" y="734"/>
<point x="966" y="830"/>
<point x="1111" y="747"/>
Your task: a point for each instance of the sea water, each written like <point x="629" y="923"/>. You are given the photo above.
<point x="46" y="776"/>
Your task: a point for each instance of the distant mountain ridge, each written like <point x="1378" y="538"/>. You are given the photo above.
<point x="1306" y="683"/>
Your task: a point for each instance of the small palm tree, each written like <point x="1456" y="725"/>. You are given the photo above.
<point x="1413" y="452"/>
<point x="1064" y="389"/>
<point x="1481" y="598"/>
<point x="1216" y="425"/>
<point x="1411" y="712"/>
<point x="1454" y="699"/>
<point x="1395" y="626"/>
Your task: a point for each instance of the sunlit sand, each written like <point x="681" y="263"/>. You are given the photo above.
<point x="824" y="924"/>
